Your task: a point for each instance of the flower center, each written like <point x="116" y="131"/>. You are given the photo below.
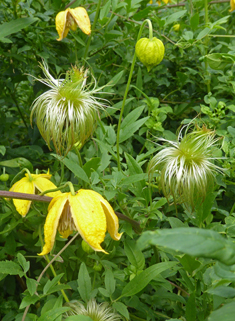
<point x="66" y="224"/>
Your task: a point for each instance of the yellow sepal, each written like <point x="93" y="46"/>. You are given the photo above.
<point x="23" y="186"/>
<point x="54" y="213"/>
<point x="89" y="218"/>
<point x="43" y="184"/>
<point x="82" y="19"/>
<point x="60" y="23"/>
<point x="111" y="217"/>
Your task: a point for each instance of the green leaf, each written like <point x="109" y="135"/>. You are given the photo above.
<point x="12" y="268"/>
<point x="132" y="117"/>
<point x="18" y="162"/>
<point x="122" y="309"/>
<point x="91" y="165"/>
<point x="226" y="313"/>
<point x="174" y="17"/>
<point x="105" y="9"/>
<point x="84" y="283"/>
<point x="8" y="28"/>
<point x="27" y="300"/>
<point x="31" y="285"/>
<point x="2" y="150"/>
<point x="190" y="313"/>
<point x="193" y="241"/>
<point x="52" y="315"/>
<point x="25" y="265"/>
<point x="116" y="79"/>
<point x="51" y="283"/>
<point x="74" y="167"/>
<point x="129" y="130"/>
<point x="222" y="291"/>
<point x="78" y="39"/>
<point x="135" y="256"/>
<point x="134" y="178"/>
<point x="203" y="33"/>
<point x="109" y="282"/>
<point x="140" y="281"/>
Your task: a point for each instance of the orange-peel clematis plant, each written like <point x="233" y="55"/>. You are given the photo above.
<point x="70" y="19"/>
<point x="86" y="212"/>
<point x="30" y="184"/>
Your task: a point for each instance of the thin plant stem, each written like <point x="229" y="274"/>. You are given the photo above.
<point x="127" y="88"/>
<point x="93" y="27"/>
<point x="62" y="173"/>
<point x="48" y="261"/>
<point x="79" y="156"/>
<point x="46" y="267"/>
<point x="206" y="47"/>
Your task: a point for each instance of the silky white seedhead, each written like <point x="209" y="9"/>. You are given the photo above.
<point x="97" y="312"/>
<point x="187" y="167"/>
<point x="67" y="113"/>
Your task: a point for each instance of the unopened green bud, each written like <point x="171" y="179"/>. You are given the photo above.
<point x="150" y="52"/>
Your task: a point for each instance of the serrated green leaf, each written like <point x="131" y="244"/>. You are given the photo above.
<point x="12" y="268"/>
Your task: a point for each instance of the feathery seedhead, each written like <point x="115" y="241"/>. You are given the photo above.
<point x="186" y="167"/>
<point x="67" y="113"/>
<point x="97" y="312"/>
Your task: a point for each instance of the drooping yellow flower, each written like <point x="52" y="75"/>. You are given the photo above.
<point x="70" y="19"/>
<point x="232" y="5"/>
<point x="28" y="185"/>
<point x="86" y="212"/>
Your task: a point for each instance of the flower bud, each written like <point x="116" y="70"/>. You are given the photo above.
<point x="176" y="27"/>
<point x="150" y="52"/>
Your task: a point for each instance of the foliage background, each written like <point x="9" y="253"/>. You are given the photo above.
<point x="165" y="282"/>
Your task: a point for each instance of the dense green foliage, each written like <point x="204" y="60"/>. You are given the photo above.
<point x="171" y="263"/>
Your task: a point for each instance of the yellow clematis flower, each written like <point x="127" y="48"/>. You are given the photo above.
<point x="70" y="19"/>
<point x="86" y="212"/>
<point x="232" y="5"/>
<point x="28" y="185"/>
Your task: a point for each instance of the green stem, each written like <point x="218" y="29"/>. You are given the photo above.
<point x="206" y="47"/>
<point x="93" y="28"/>
<point x="128" y="86"/>
<point x="62" y="173"/>
<point x="79" y="156"/>
<point x="48" y="261"/>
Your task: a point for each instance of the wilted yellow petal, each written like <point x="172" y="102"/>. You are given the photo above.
<point x="43" y="184"/>
<point x="60" y="23"/>
<point x="89" y="218"/>
<point x="111" y="217"/>
<point x="52" y="221"/>
<point x="23" y="186"/>
<point x="82" y="19"/>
